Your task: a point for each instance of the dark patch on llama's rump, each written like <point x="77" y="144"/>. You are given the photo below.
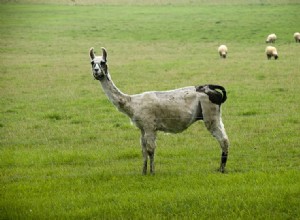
<point x="214" y="96"/>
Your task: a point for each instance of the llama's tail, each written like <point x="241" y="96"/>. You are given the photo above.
<point x="214" y="95"/>
<point x="224" y="95"/>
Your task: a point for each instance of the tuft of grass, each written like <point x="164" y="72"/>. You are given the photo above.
<point x="54" y="116"/>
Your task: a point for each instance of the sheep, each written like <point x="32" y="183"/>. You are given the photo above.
<point x="271" y="52"/>
<point x="170" y="111"/>
<point x="297" y="37"/>
<point x="271" y="38"/>
<point x="223" y="51"/>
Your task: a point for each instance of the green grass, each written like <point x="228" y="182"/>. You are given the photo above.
<point x="66" y="153"/>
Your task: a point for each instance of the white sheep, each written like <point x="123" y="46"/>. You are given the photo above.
<point x="271" y="38"/>
<point x="223" y="51"/>
<point x="297" y="37"/>
<point x="168" y="111"/>
<point x="271" y="52"/>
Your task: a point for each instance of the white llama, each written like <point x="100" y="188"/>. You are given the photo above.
<point x="168" y="111"/>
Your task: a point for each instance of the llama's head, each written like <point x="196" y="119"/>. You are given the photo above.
<point x="99" y="66"/>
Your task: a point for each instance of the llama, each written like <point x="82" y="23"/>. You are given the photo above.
<point x="170" y="111"/>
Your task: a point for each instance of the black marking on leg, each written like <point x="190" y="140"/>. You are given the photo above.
<point x="223" y="162"/>
<point x="224" y="158"/>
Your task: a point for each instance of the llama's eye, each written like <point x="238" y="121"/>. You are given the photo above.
<point x="92" y="62"/>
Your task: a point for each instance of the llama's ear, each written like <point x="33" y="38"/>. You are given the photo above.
<point x="104" y="53"/>
<point x="92" y="54"/>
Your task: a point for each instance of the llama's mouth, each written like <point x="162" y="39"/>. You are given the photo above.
<point x="98" y="75"/>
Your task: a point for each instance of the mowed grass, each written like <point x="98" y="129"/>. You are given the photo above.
<point x="66" y="153"/>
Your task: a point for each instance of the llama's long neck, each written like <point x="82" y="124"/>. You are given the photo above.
<point x="118" y="98"/>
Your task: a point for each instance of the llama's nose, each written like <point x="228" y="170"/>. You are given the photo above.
<point x="97" y="68"/>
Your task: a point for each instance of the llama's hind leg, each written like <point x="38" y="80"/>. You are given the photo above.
<point x="224" y="145"/>
<point x="218" y="131"/>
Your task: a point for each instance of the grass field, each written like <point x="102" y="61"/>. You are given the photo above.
<point x="67" y="153"/>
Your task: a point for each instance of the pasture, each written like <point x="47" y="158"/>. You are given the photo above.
<point x="67" y="153"/>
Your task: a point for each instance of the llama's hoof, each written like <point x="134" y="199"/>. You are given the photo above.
<point x="222" y="169"/>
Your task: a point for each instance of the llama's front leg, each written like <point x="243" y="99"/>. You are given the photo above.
<point x="151" y="156"/>
<point x="148" y="149"/>
<point x="145" y="153"/>
<point x="145" y="160"/>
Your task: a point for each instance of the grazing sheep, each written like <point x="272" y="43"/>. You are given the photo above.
<point x="271" y="38"/>
<point x="297" y="37"/>
<point x="271" y="52"/>
<point x="223" y="51"/>
<point x="168" y="111"/>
